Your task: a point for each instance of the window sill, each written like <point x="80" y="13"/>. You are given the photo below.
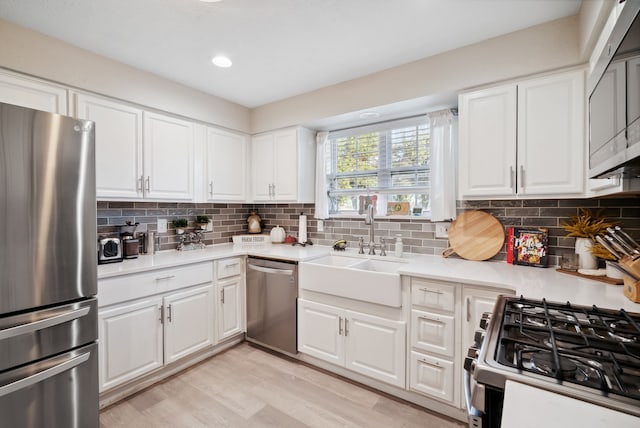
<point x="379" y="217"/>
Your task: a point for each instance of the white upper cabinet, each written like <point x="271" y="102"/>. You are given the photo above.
<point x="168" y="157"/>
<point x="524" y="140"/>
<point x="487" y="149"/>
<point x="32" y="93"/>
<point x="551" y="135"/>
<point x="118" y="145"/>
<point x="226" y="166"/>
<point x="283" y="166"/>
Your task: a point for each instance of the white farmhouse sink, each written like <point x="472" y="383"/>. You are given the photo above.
<point x="368" y="280"/>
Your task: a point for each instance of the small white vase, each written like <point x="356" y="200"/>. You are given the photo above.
<point x="587" y="260"/>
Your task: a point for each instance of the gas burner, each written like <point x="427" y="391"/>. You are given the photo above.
<point x="543" y="361"/>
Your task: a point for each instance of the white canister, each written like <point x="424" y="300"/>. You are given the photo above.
<point x="277" y="234"/>
<point x="302" y="228"/>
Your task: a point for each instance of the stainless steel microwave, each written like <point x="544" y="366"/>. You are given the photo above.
<point x="614" y="101"/>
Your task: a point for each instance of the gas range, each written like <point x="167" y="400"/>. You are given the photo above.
<point x="587" y="353"/>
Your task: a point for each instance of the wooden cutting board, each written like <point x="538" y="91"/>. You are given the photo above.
<point x="475" y="235"/>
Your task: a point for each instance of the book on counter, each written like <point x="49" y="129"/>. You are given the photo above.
<point x="528" y="246"/>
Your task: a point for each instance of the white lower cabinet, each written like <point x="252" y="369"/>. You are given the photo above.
<point x="230" y="300"/>
<point x="188" y="322"/>
<point x="130" y="342"/>
<point x="152" y="319"/>
<point x="432" y="375"/>
<point x="366" y="344"/>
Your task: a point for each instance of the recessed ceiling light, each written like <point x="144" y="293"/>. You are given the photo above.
<point x="221" y="61"/>
<point x="369" y="115"/>
<point x="210" y="1"/>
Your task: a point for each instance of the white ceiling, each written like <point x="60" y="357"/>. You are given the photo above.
<point x="280" y="48"/>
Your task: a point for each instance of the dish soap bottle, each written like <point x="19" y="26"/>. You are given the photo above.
<point x="399" y="248"/>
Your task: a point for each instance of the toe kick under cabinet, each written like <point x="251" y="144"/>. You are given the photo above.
<point x="151" y="319"/>
<point x="444" y="317"/>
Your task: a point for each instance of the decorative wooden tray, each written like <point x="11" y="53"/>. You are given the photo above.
<point x="605" y="279"/>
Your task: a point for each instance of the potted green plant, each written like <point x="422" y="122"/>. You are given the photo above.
<point x="585" y="227"/>
<point x="203" y="221"/>
<point x="180" y="224"/>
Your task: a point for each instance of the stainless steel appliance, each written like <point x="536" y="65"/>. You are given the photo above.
<point x="587" y="353"/>
<point x="614" y="101"/>
<point x="109" y="249"/>
<point x="272" y="294"/>
<point x="48" y="310"/>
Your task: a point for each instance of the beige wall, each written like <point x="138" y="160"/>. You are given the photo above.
<point x="536" y="49"/>
<point x="591" y="19"/>
<point x="33" y="53"/>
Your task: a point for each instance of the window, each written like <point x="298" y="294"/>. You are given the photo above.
<point x="386" y="162"/>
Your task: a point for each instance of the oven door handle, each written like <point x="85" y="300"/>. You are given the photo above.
<point x="474" y="414"/>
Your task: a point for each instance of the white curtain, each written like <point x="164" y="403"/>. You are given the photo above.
<point x="443" y="141"/>
<point x="322" y="187"/>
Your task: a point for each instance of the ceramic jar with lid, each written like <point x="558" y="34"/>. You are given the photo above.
<point x="277" y="234"/>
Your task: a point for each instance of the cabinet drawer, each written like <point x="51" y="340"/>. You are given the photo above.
<point x="433" y="332"/>
<point x="135" y="286"/>
<point x="433" y="294"/>
<point x="228" y="267"/>
<point x="432" y="376"/>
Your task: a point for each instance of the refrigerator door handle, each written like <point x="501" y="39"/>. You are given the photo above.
<point x="43" y="323"/>
<point x="44" y="375"/>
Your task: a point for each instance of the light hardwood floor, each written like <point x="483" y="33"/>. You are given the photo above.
<point x="248" y="387"/>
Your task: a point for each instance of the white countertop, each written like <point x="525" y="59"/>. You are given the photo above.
<point x="530" y="282"/>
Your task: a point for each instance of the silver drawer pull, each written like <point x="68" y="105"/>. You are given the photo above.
<point x="231" y="265"/>
<point x="431" y="363"/>
<point x="427" y="290"/>
<point x="429" y="319"/>
<point x="165" y="277"/>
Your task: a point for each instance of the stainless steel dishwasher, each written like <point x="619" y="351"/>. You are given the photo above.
<point x="272" y="294"/>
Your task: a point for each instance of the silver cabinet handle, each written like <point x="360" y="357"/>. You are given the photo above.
<point x="511" y="176"/>
<point x="43" y="323"/>
<point x="44" y="375"/>
<point x="339" y="326"/>
<point x="468" y="309"/>
<point x="346" y="327"/>
<point x="165" y="277"/>
<point x="426" y="290"/>
<point x="169" y="313"/>
<point x="521" y="179"/>
<point x="140" y="184"/>
<point x="274" y="190"/>
<point x="222" y="296"/>
<point x="422" y="317"/>
<point x="161" y="314"/>
<point x="231" y="265"/>
<point x="270" y="192"/>
<point x="211" y="188"/>
<point x="431" y="363"/>
<point x="148" y="184"/>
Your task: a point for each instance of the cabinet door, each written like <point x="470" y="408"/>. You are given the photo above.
<point x="433" y="332"/>
<point x="432" y="376"/>
<point x="226" y="172"/>
<point x="168" y="157"/>
<point x="188" y="322"/>
<point x="25" y="92"/>
<point x="130" y="341"/>
<point x="262" y="164"/>
<point x="487" y="142"/>
<point x="320" y="331"/>
<point x="230" y="307"/>
<point x="476" y="301"/>
<point x="375" y="347"/>
<point x="286" y="165"/>
<point x="118" y="146"/>
<point x="551" y="144"/>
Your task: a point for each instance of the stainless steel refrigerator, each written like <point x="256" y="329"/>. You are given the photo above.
<point x="48" y="285"/>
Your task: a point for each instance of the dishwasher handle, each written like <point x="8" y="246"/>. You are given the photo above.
<point x="270" y="270"/>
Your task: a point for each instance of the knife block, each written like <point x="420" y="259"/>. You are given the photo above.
<point x="632" y="289"/>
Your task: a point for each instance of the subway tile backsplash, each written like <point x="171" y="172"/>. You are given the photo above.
<point x="418" y="235"/>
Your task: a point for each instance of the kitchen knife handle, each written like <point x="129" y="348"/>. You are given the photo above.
<point x="608" y="247"/>
<point x="629" y="238"/>
<point x="617" y="246"/>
